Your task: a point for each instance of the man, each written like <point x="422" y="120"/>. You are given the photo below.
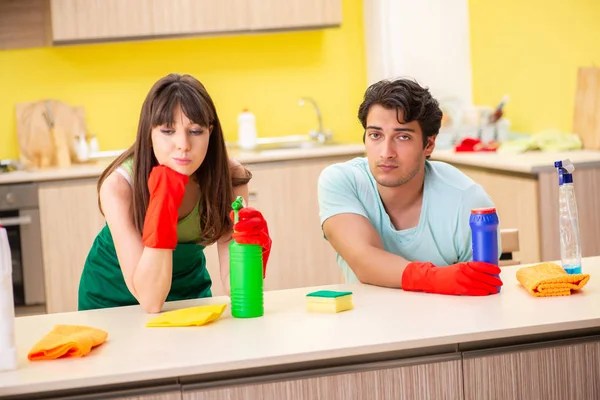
<point x="395" y="218"/>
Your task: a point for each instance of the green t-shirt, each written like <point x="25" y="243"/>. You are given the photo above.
<point x="188" y="228"/>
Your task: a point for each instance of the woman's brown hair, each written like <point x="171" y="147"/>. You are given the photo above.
<point x="214" y="174"/>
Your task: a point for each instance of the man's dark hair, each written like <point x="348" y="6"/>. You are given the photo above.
<point x="415" y="101"/>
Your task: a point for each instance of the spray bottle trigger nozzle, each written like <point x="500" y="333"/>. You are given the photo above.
<point x="566" y="166"/>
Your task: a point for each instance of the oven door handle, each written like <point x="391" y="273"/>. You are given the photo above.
<point x="15" y="221"/>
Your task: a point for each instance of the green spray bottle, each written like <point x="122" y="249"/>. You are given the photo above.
<point x="245" y="275"/>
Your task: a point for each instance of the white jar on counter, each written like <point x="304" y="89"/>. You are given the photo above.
<point x="94" y="148"/>
<point x="247" y="130"/>
<point x="8" y="350"/>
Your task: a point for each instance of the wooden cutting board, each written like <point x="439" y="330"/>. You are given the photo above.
<point x="41" y="146"/>
<point x="586" y="116"/>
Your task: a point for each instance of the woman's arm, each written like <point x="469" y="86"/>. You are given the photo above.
<point x="147" y="271"/>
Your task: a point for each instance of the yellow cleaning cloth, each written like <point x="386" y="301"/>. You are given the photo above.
<point x="67" y="341"/>
<point x="192" y="316"/>
<point x="549" y="279"/>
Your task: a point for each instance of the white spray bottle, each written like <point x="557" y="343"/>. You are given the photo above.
<point x="570" y="248"/>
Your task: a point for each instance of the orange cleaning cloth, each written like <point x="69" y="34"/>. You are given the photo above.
<point x="549" y="279"/>
<point x="67" y="341"/>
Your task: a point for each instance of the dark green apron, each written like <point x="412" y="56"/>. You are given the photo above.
<point x="102" y="284"/>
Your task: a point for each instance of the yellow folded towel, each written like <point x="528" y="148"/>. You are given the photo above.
<point x="192" y="316"/>
<point x="549" y="279"/>
<point x="67" y="341"/>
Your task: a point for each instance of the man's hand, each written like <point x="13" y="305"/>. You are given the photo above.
<point x="465" y="278"/>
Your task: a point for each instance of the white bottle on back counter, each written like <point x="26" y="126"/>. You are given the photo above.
<point x="247" y="130"/>
<point x="8" y="351"/>
<point x="94" y="148"/>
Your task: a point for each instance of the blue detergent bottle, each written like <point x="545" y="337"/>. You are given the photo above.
<point x="484" y="224"/>
<point x="568" y="219"/>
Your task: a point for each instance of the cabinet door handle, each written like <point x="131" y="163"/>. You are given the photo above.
<point x="15" y="221"/>
<point x="252" y="196"/>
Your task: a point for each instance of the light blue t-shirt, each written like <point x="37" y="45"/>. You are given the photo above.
<point x="443" y="235"/>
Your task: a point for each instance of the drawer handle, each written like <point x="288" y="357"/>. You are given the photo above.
<point x="15" y="221"/>
<point x="252" y="196"/>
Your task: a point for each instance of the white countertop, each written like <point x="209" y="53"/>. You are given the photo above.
<point x="383" y="320"/>
<point x="531" y="162"/>
<point x="95" y="169"/>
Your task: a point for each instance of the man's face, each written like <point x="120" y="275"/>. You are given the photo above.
<point x="394" y="149"/>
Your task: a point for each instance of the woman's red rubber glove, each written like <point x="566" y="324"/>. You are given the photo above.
<point x="465" y="278"/>
<point x="167" y="188"/>
<point x="252" y="228"/>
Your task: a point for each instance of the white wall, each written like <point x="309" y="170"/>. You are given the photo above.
<point x="424" y="39"/>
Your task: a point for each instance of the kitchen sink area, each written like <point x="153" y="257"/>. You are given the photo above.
<point x="284" y="147"/>
<point x="284" y="143"/>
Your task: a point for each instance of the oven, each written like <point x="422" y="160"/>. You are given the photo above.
<point x="19" y="215"/>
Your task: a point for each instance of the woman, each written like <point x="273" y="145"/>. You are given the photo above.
<point x="165" y="199"/>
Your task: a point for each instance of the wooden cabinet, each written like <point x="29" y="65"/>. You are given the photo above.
<point x="38" y="23"/>
<point x="529" y="203"/>
<point x="286" y="194"/>
<point x="101" y="20"/>
<point x="562" y="372"/>
<point x="278" y="14"/>
<point x="24" y="23"/>
<point x="587" y="188"/>
<point x="175" y="395"/>
<point x="516" y="200"/>
<point x="70" y="221"/>
<point x="440" y="380"/>
<point x="188" y="17"/>
<point x="168" y="391"/>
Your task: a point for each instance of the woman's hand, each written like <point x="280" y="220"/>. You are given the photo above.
<point x="167" y="188"/>
<point x="252" y="228"/>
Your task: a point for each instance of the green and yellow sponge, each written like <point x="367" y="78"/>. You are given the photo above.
<point x="329" y="301"/>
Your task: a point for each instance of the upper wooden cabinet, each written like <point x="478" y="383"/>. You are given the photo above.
<point x="285" y="14"/>
<point x="104" y="20"/>
<point x="24" y="24"/>
<point x="188" y="17"/>
<point x="74" y="20"/>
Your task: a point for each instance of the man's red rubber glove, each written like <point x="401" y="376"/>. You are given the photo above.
<point x="251" y="228"/>
<point x="167" y="188"/>
<point x="465" y="278"/>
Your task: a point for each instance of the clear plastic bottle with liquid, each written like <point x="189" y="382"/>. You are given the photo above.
<point x="570" y="248"/>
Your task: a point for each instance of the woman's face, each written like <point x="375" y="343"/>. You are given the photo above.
<point x="181" y="146"/>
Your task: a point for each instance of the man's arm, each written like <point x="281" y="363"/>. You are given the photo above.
<point x="357" y="242"/>
<point x="347" y="228"/>
<point x="352" y="235"/>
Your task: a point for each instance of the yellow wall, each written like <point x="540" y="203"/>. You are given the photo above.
<point x="531" y="50"/>
<point x="266" y="73"/>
